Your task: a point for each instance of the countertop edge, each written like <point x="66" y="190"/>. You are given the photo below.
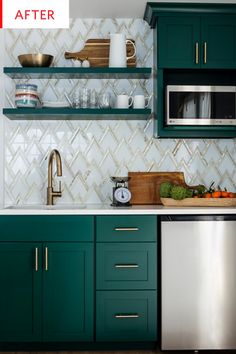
<point x="100" y="209"/>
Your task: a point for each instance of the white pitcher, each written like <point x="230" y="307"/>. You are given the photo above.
<point x="117" y="52"/>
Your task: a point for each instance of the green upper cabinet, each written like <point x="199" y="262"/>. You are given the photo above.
<point x="218" y="41"/>
<point x="178" y="39"/>
<point x="196" y="41"/>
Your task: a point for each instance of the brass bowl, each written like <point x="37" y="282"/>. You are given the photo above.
<point x="40" y="60"/>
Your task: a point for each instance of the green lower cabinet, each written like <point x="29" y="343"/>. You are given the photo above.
<point x="47" y="286"/>
<point x="126" y="228"/>
<point x="126" y="316"/>
<point x="126" y="266"/>
<point x="68" y="292"/>
<point x="20" y="295"/>
<point x="46" y="292"/>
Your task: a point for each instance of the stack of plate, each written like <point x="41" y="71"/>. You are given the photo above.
<point x="26" y="95"/>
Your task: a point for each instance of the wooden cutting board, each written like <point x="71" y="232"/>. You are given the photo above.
<point x="144" y="186"/>
<point x="97" y="52"/>
<point x="199" y="202"/>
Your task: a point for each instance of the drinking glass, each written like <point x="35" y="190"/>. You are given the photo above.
<point x="93" y="99"/>
<point x="85" y="98"/>
<point x="104" y="100"/>
<point x="76" y="99"/>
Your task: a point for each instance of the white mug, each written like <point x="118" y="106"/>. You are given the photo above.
<point x="139" y="101"/>
<point x="117" y="50"/>
<point x="124" y="101"/>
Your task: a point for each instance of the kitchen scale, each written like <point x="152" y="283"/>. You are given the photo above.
<point x="121" y="194"/>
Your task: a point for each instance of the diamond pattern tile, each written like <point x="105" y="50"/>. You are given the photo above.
<point x="92" y="150"/>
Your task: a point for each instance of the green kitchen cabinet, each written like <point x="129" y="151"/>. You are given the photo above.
<point x="197" y="41"/>
<point x="218" y="46"/>
<point x="67" y="292"/>
<point x="128" y="228"/>
<point x="126" y="278"/>
<point x="126" y="266"/>
<point x="20" y="295"/>
<point x="178" y="38"/>
<point x="47" y="287"/>
<point x="126" y="316"/>
<point x="194" y="44"/>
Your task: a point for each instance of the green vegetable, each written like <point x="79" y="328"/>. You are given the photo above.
<point x="165" y="189"/>
<point x="189" y="193"/>
<point x="201" y="189"/>
<point x="178" y="192"/>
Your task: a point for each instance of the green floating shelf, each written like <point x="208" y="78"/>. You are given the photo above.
<point x="75" y="114"/>
<point x="77" y="73"/>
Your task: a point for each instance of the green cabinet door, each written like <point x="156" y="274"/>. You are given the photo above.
<point x="128" y="266"/>
<point x="20" y="295"/>
<point x="123" y="316"/>
<point x="178" y="42"/>
<point x="68" y="291"/>
<point x="207" y="41"/>
<point x="219" y="41"/>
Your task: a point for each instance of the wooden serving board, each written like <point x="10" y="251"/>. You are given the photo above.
<point x="97" y="52"/>
<point x="145" y="186"/>
<point x="199" y="202"/>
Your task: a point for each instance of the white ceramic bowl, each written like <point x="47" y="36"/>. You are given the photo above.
<point x="31" y="87"/>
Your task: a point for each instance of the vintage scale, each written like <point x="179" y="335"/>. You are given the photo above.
<point x="121" y="193"/>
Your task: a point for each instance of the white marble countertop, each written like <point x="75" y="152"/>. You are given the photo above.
<point x="105" y="209"/>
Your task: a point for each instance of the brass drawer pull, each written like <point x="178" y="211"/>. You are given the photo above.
<point x="205" y="52"/>
<point x="126" y="229"/>
<point x="126" y="266"/>
<point x="132" y="315"/>
<point x="36" y="264"/>
<point x="46" y="259"/>
<point x="196" y="53"/>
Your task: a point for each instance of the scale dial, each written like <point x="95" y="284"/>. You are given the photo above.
<point x="122" y="195"/>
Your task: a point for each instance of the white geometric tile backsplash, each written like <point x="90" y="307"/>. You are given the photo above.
<point x="91" y="150"/>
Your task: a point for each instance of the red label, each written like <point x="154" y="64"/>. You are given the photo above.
<point x="0" y="13"/>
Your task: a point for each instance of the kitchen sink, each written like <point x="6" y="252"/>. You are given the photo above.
<point x="47" y="207"/>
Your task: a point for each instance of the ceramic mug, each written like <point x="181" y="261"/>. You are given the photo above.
<point x="117" y="50"/>
<point x="140" y="101"/>
<point x="124" y="101"/>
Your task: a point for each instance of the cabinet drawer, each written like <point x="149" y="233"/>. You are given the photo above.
<point x="126" y="228"/>
<point x="126" y="316"/>
<point x="126" y="266"/>
<point x="46" y="228"/>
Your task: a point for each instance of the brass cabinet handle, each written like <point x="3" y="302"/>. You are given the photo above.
<point x="36" y="259"/>
<point x="126" y="229"/>
<point x="46" y="259"/>
<point x="126" y="266"/>
<point x="132" y="315"/>
<point x="196" y="53"/>
<point x="205" y="52"/>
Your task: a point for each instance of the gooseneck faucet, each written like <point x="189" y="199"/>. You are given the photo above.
<point x="50" y="192"/>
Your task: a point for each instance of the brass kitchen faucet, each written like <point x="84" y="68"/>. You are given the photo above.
<point x="50" y="192"/>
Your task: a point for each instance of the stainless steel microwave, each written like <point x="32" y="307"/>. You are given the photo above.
<point x="200" y="105"/>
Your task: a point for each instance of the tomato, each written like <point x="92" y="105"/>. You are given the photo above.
<point x="216" y="194"/>
<point x="207" y="195"/>
<point x="224" y="194"/>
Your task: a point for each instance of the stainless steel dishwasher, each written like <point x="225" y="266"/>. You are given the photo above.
<point x="198" y="282"/>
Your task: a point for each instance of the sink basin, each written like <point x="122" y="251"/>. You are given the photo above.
<point x="47" y="207"/>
